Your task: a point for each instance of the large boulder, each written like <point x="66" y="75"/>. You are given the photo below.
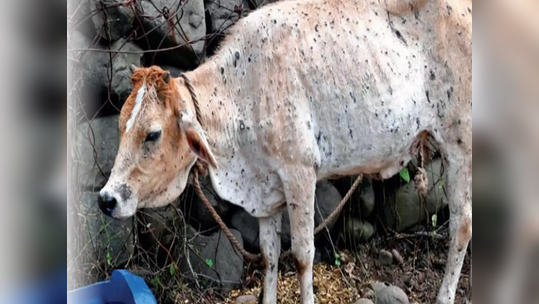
<point x="362" y="199"/>
<point x="366" y="197"/>
<point x="202" y="214"/>
<point x="391" y="295"/>
<point x="213" y="261"/>
<point x="248" y="226"/>
<point x="327" y="199"/>
<point x="97" y="145"/>
<point x="105" y="74"/>
<point x="183" y="31"/>
<point x="358" y="231"/>
<point x="109" y="242"/>
<point x="159" y="230"/>
<point x="113" y="19"/>
<point x="408" y="209"/>
<point x="224" y="13"/>
<point x="259" y="3"/>
<point x="79" y="12"/>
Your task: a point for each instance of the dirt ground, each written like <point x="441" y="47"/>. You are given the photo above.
<point x="419" y="275"/>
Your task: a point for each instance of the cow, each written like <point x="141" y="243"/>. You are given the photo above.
<point x="299" y="91"/>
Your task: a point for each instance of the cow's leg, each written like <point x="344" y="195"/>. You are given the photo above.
<point x="459" y="191"/>
<point x="270" y="247"/>
<point x="299" y="187"/>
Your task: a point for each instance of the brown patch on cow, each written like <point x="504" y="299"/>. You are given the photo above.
<point x="397" y="7"/>
<point x="264" y="260"/>
<point x="464" y="233"/>
<point x="300" y="267"/>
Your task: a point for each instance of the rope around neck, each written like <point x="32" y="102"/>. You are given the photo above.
<point x="191" y="90"/>
<point x="200" y="168"/>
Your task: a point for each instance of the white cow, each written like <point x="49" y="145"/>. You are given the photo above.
<point x="300" y="91"/>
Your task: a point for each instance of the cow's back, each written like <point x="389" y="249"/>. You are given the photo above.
<point x="338" y="84"/>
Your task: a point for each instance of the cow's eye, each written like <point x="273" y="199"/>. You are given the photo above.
<point x="153" y="136"/>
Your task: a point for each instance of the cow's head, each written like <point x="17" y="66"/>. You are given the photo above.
<point x="160" y="141"/>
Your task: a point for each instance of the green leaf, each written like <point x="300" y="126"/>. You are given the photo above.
<point x="172" y="269"/>
<point x="109" y="259"/>
<point x="434" y="220"/>
<point x="442" y="183"/>
<point x="209" y="262"/>
<point x="405" y="175"/>
<point x="337" y="259"/>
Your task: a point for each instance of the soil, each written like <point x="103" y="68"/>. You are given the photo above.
<point x="419" y="275"/>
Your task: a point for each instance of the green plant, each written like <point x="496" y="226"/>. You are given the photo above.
<point x="209" y="262"/>
<point x="337" y="259"/>
<point x="434" y="220"/>
<point x="109" y="259"/>
<point x="172" y="269"/>
<point x="405" y="174"/>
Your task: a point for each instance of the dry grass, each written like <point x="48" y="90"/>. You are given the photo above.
<point x="330" y="286"/>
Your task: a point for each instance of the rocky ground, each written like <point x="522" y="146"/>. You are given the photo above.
<point x="179" y="249"/>
<point x="409" y="271"/>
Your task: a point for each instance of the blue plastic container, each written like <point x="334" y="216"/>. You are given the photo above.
<point x="123" y="288"/>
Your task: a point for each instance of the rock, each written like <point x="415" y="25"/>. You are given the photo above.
<point x="103" y="136"/>
<point x="222" y="14"/>
<point x="248" y="226"/>
<point x="363" y="301"/>
<point x="361" y="231"/>
<point x="158" y="228"/>
<point x="259" y="3"/>
<point x="362" y="200"/>
<point x="317" y="257"/>
<point x="203" y="215"/>
<point x="110" y="241"/>
<point x="385" y="257"/>
<point x="246" y="299"/>
<point x="369" y="294"/>
<point x="113" y="19"/>
<point x="95" y="68"/>
<point x="366" y="198"/>
<point x="78" y="18"/>
<point x="377" y="287"/>
<point x="327" y="198"/>
<point x="214" y="260"/>
<point x="397" y="256"/>
<point x="189" y="30"/>
<point x="407" y="210"/>
<point x="392" y="295"/>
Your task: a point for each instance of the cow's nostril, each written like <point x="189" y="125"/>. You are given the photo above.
<point x="106" y="203"/>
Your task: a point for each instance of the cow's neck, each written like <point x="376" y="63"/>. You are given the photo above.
<point x="217" y="91"/>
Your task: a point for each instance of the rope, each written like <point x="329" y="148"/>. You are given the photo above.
<point x="201" y="169"/>
<point x="337" y="210"/>
<point x="222" y="225"/>
<point x="247" y="255"/>
<point x="191" y="90"/>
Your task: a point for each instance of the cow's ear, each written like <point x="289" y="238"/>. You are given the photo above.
<point x="196" y="139"/>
